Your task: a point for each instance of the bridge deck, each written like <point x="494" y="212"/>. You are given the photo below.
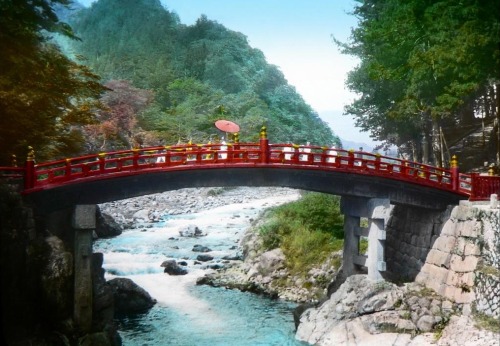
<point x="255" y="164"/>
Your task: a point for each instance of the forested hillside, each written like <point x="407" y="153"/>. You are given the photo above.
<point x="170" y="82"/>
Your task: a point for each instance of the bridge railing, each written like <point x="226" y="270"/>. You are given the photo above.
<point x="478" y="187"/>
<point x="140" y="159"/>
<point x="483" y="186"/>
<point x="12" y="172"/>
<point x="361" y="162"/>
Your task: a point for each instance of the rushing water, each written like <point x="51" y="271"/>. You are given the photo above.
<point x="187" y="314"/>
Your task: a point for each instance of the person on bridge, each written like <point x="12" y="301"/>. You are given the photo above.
<point x="332" y="153"/>
<point x="223" y="148"/>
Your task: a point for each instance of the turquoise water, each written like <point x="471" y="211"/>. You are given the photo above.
<point x="187" y="314"/>
<point x="242" y="319"/>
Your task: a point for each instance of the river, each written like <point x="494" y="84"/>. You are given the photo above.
<point x="187" y="314"/>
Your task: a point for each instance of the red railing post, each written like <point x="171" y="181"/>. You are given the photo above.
<point x="67" y="169"/>
<point x="29" y="174"/>
<point x="455" y="174"/>
<point x="377" y="162"/>
<point x="264" y="146"/>
<point x="474" y="186"/>
<point x="135" y="160"/>
<point x="102" y="163"/>
<point x="350" y="160"/>
<point x="296" y="153"/>
<point x="236" y="141"/>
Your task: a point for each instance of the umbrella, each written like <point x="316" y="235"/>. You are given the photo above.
<point x="227" y="126"/>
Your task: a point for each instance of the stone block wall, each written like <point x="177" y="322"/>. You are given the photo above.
<point x="411" y="232"/>
<point x="487" y="274"/>
<point x="462" y="263"/>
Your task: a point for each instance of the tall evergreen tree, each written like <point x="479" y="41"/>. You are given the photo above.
<point x="423" y="63"/>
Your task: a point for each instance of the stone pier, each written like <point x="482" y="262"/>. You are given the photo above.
<point x="377" y="212"/>
<point x="83" y="223"/>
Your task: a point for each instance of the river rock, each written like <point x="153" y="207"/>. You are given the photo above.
<point x="130" y="297"/>
<point x="172" y="268"/>
<point x="190" y="231"/>
<point x="201" y="248"/>
<point x="204" y="258"/>
<point x="142" y="215"/>
<point x="233" y="258"/>
<point x="57" y="276"/>
<point x="106" y="226"/>
<point x="357" y="296"/>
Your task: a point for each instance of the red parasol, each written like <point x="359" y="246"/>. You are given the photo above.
<point x="227" y="126"/>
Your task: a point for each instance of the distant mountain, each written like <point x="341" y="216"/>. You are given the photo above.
<point x="199" y="73"/>
<point x="347" y="144"/>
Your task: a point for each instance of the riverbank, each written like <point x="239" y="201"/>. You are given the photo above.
<point x="255" y="269"/>
<point x="186" y="313"/>
<point x="368" y="312"/>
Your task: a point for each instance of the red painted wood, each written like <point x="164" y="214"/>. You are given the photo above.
<point x="191" y="156"/>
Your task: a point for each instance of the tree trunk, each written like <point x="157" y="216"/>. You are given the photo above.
<point x="498" y="122"/>
<point x="426" y="139"/>
<point x="436" y="144"/>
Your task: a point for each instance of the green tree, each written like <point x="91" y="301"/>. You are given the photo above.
<point x="423" y="63"/>
<point x="43" y="94"/>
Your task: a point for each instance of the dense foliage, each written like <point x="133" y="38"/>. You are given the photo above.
<point x="424" y="64"/>
<point x="43" y="94"/>
<point x="307" y="230"/>
<point x="197" y="74"/>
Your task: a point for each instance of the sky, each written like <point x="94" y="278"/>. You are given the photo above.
<point x="296" y="36"/>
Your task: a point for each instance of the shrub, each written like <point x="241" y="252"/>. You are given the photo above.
<point x="307" y="230"/>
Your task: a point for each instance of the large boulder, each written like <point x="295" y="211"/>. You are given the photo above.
<point x="103" y="308"/>
<point x="201" y="248"/>
<point x="130" y="297"/>
<point x="56" y="278"/>
<point x="204" y="258"/>
<point x="172" y="268"/>
<point x="106" y="226"/>
<point x="190" y="231"/>
<point x="358" y="300"/>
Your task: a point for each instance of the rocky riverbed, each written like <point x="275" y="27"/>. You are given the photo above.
<point x="353" y="311"/>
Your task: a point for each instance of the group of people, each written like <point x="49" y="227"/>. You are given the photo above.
<point x="222" y="147"/>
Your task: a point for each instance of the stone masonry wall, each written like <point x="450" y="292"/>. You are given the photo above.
<point x="410" y="235"/>
<point x="487" y="274"/>
<point x="455" y="252"/>
<point x="462" y="264"/>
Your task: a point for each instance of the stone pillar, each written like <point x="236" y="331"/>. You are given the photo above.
<point x="351" y="244"/>
<point x="377" y="211"/>
<point x="376" y="249"/>
<point x="84" y="223"/>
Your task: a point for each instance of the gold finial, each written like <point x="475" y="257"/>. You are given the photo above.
<point x="263" y="133"/>
<point x="31" y="154"/>
<point x="14" y="160"/>
<point x="102" y="155"/>
<point x="454" y="161"/>
<point x="236" y="137"/>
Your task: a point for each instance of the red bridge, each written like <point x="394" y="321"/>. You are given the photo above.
<point x="104" y="177"/>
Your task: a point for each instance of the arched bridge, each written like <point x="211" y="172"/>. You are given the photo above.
<point x="105" y="177"/>
<point x="63" y="193"/>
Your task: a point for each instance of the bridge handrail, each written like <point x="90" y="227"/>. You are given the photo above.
<point x="483" y="186"/>
<point x="478" y="187"/>
<point x="143" y="158"/>
<point x="359" y="161"/>
<point x="12" y="172"/>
